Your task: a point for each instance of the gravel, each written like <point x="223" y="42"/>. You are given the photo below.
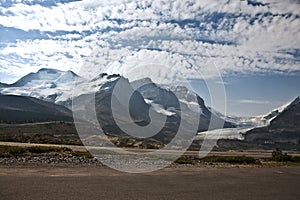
<point x="69" y="160"/>
<point x="45" y="159"/>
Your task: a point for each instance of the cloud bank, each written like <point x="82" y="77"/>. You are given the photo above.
<point x="189" y="36"/>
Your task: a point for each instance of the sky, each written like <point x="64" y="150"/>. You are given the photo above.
<point x="254" y="45"/>
<point x="255" y="94"/>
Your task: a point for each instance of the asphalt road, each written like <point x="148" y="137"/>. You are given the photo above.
<point x="77" y="183"/>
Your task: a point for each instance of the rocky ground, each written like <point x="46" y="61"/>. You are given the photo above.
<point x="69" y="160"/>
<point x="59" y="159"/>
<point x="68" y="156"/>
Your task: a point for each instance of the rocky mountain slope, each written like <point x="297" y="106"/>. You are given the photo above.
<point x="283" y="130"/>
<point x="20" y="109"/>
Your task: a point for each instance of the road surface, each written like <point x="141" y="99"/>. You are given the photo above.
<point x="77" y="183"/>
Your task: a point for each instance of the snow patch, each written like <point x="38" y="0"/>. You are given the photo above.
<point x="159" y="108"/>
<point x="228" y="133"/>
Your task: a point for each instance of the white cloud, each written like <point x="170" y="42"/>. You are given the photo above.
<point x="187" y="35"/>
<point x="253" y="101"/>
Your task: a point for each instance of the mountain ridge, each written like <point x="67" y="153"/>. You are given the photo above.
<point x="283" y="128"/>
<point x="20" y="109"/>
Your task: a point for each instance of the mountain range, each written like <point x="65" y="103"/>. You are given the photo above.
<point x="56" y="88"/>
<point x="47" y="96"/>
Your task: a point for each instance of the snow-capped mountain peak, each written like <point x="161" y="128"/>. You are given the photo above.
<point x="44" y="76"/>
<point x="55" y="85"/>
<point x="48" y="84"/>
<point x="274" y="113"/>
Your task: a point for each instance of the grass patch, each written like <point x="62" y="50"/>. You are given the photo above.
<point x="185" y="160"/>
<point x="9" y="151"/>
<point x="84" y="154"/>
<point x="49" y="133"/>
<point x="12" y="151"/>
<point x="230" y="159"/>
<point x="42" y="149"/>
<point x="279" y="156"/>
<point x="295" y="159"/>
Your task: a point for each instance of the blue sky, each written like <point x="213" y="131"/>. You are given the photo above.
<point x="253" y="44"/>
<point x="255" y="94"/>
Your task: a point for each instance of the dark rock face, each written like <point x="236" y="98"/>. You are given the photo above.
<point x="3" y="85"/>
<point x="138" y="109"/>
<point x="289" y="118"/>
<point x="19" y="109"/>
<point x="169" y="99"/>
<point x="159" y="95"/>
<point x="283" y="131"/>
